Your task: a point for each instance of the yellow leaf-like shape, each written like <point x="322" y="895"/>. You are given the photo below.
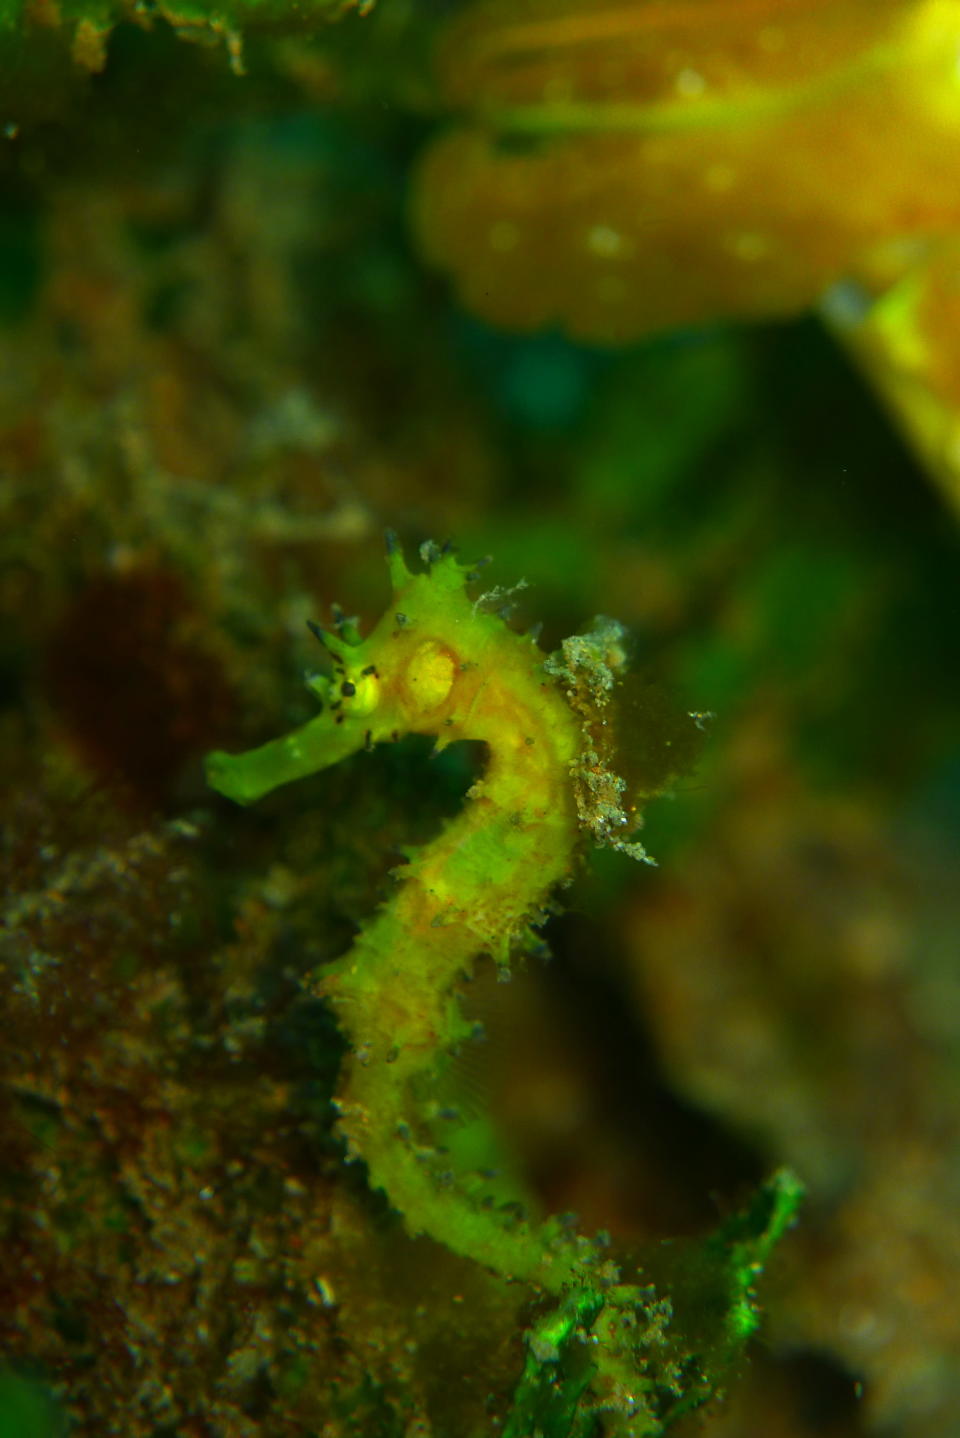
<point x="628" y="165"/>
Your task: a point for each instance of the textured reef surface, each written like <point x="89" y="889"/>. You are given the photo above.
<point x="282" y="1151"/>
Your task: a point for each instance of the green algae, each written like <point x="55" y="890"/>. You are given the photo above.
<point x="26" y="1409"/>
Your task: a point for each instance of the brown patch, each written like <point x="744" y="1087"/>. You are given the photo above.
<point x="45" y="13"/>
<point x="132" y="683"/>
<point x="89" y="49"/>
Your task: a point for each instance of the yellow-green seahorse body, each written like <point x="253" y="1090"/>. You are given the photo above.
<point x="440" y="663"/>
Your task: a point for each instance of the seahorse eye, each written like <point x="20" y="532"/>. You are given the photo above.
<point x="429" y="676"/>
<point x="361" y="693"/>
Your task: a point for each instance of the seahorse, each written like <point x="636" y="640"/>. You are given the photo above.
<point x="441" y="663"/>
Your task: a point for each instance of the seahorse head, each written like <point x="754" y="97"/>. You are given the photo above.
<point x="415" y="677"/>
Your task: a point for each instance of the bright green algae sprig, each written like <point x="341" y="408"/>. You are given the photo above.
<point x="441" y="663"/>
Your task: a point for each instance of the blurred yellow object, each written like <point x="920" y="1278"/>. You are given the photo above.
<point x="907" y="341"/>
<point x="625" y="166"/>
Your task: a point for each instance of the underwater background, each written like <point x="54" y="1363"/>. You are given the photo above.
<point x="654" y="303"/>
